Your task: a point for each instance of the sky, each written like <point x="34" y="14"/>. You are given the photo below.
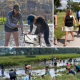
<point x="64" y="3"/>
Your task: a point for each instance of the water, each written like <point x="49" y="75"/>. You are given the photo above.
<point x="20" y="69"/>
<point x="21" y="37"/>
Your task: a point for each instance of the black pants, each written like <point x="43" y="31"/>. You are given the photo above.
<point x="78" y="70"/>
<point x="79" y="29"/>
<point x="14" y="77"/>
<point x="46" y="36"/>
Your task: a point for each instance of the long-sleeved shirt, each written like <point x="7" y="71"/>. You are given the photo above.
<point x="27" y="77"/>
<point x="78" y="14"/>
<point x="12" y="73"/>
<point x="42" y="26"/>
<point x="13" y="20"/>
<point x="77" y="67"/>
<point x="2" y="66"/>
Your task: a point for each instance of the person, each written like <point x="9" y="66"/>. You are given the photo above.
<point x="55" y="26"/>
<point x="47" y="71"/>
<point x="77" y="68"/>
<point x="12" y="74"/>
<point x="28" y="72"/>
<point x="44" y="61"/>
<point x="68" y="65"/>
<point x="63" y="61"/>
<point x="40" y="61"/>
<point x="59" y="60"/>
<point x="55" y="59"/>
<point x="78" y="18"/>
<point x="74" y="60"/>
<point x="68" y="20"/>
<point x="2" y="68"/>
<point x="52" y="61"/>
<point x="70" y="60"/>
<point x="71" y="71"/>
<point x="42" y="27"/>
<point x="27" y="77"/>
<point x="27" y="68"/>
<point x="11" y="25"/>
<point x="55" y="64"/>
<point x="49" y="60"/>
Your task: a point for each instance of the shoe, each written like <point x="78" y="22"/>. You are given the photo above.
<point x="55" y="43"/>
<point x="64" y="44"/>
<point x="78" y="33"/>
<point x="48" y="45"/>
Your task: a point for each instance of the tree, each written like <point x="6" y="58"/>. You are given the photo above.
<point x="57" y="3"/>
<point x="72" y="5"/>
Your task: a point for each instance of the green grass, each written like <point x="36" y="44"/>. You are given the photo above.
<point x="58" y="32"/>
<point x="22" y="59"/>
<point x="64" y="77"/>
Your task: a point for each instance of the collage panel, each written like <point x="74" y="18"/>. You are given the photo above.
<point x="68" y="24"/>
<point x="26" y="23"/>
<point x="39" y="63"/>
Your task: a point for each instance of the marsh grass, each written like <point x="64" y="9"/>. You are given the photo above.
<point x="22" y="59"/>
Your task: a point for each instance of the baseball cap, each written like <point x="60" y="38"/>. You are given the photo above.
<point x="30" y="19"/>
<point x="16" y="7"/>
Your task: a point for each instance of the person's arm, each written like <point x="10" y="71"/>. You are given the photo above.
<point x="63" y="21"/>
<point x="31" y="28"/>
<point x="21" y="23"/>
<point x="74" y="20"/>
<point x="55" y="16"/>
<point x="76" y="15"/>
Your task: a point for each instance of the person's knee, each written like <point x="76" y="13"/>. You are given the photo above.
<point x="16" y="39"/>
<point x="7" y="40"/>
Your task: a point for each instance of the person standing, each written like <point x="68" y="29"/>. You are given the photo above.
<point x="78" y="18"/>
<point x="2" y="68"/>
<point x="44" y="61"/>
<point x="68" y="20"/>
<point x="11" y="26"/>
<point x="55" y="26"/>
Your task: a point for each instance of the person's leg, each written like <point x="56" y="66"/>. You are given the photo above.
<point x="46" y="37"/>
<point x="7" y="38"/>
<point x="79" y="29"/>
<point x="72" y="35"/>
<point x="16" y="37"/>
<point x="66" y="36"/>
<point x="36" y="31"/>
<point x="55" y="39"/>
<point x="77" y="70"/>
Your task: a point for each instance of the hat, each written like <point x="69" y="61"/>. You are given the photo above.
<point x="30" y="19"/>
<point x="16" y="7"/>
